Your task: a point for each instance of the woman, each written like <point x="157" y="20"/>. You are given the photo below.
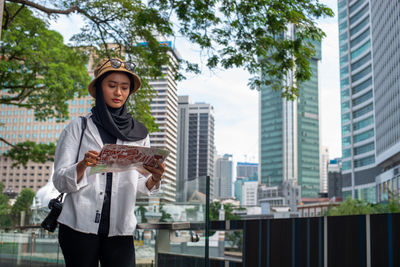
<point x="97" y="221"/>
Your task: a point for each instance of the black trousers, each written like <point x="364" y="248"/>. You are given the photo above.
<point x="87" y="250"/>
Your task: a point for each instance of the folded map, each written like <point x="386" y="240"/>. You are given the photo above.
<point x="118" y="158"/>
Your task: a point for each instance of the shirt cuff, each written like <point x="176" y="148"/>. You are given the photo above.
<point x="70" y="176"/>
<point x="142" y="188"/>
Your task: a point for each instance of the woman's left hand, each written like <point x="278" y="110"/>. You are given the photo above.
<point x="158" y="172"/>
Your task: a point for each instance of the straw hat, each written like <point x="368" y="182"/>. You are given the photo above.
<point x="105" y="66"/>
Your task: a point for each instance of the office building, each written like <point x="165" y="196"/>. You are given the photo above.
<point x="195" y="148"/>
<point x="247" y="169"/>
<point x="249" y="193"/>
<point x="335" y="179"/>
<point x="223" y="176"/>
<point x="323" y="184"/>
<point x="164" y="108"/>
<point x="289" y="132"/>
<point x="369" y="70"/>
<point x="288" y="194"/>
<point x="19" y="126"/>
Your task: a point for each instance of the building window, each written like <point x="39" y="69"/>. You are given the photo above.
<point x="363" y="136"/>
<point x="364" y="161"/>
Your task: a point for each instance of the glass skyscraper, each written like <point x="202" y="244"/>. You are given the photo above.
<point x="369" y="72"/>
<point x="289" y="133"/>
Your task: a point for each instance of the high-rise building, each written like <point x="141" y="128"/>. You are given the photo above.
<point x="223" y="176"/>
<point x="249" y="193"/>
<point x="195" y="147"/>
<point x="164" y="109"/>
<point x="334" y="179"/>
<point x="289" y="132"/>
<point x="247" y="169"/>
<point x="369" y="69"/>
<point x="19" y="126"/>
<point x="323" y="184"/>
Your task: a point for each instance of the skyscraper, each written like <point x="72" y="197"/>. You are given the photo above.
<point x="289" y="132"/>
<point x="324" y="170"/>
<point x="247" y="169"/>
<point x="369" y="70"/>
<point x="195" y="147"/>
<point x="223" y="176"/>
<point x="164" y="109"/>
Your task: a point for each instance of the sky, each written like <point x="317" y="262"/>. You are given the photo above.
<point x="236" y="105"/>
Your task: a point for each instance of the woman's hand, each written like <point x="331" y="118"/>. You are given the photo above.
<point x="156" y="174"/>
<point x="90" y="160"/>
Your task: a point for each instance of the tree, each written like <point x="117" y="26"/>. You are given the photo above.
<point x="230" y="33"/>
<point x="355" y="207"/>
<point x="215" y="206"/>
<point x="165" y="216"/>
<point x="4" y="208"/>
<point x="142" y="210"/>
<point x="23" y="203"/>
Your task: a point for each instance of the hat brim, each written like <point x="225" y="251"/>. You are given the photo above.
<point x="136" y="79"/>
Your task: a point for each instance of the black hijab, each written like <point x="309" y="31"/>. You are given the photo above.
<point x="116" y="121"/>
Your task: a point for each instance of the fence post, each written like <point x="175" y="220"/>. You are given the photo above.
<point x="325" y="241"/>
<point x="368" y="238"/>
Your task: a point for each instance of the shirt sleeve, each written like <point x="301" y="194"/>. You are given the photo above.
<point x="65" y="174"/>
<point x="142" y="188"/>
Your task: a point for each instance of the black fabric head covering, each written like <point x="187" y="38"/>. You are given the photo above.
<point x="116" y="121"/>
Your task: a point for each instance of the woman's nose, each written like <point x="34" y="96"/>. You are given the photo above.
<point x="118" y="90"/>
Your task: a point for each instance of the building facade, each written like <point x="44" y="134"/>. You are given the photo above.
<point x="19" y="126"/>
<point x="288" y="194"/>
<point x="223" y="176"/>
<point x="195" y="148"/>
<point x="247" y="169"/>
<point x="323" y="184"/>
<point x="335" y="179"/>
<point x="249" y="193"/>
<point x="289" y="132"/>
<point x="369" y="70"/>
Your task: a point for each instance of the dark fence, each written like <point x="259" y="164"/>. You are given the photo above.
<point x="359" y="240"/>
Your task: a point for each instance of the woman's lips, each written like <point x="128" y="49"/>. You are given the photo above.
<point x="116" y="101"/>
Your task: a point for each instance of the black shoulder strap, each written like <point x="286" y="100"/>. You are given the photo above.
<point x="83" y="128"/>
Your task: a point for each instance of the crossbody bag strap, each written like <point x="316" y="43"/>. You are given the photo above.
<point x="83" y="127"/>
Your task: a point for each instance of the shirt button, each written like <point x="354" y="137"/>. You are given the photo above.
<point x="101" y="193"/>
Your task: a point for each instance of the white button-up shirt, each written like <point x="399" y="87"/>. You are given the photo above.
<point x="84" y="200"/>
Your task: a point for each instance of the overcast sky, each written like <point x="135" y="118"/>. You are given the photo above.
<point x="236" y="106"/>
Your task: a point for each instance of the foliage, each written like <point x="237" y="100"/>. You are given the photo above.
<point x="28" y="150"/>
<point x="23" y="203"/>
<point x="4" y="208"/>
<point x="142" y="210"/>
<point x="235" y="239"/>
<point x="215" y="206"/>
<point x="356" y="207"/>
<point x="39" y="72"/>
<point x="165" y="216"/>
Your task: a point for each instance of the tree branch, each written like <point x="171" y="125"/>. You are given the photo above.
<point x="44" y="9"/>
<point x="8" y="19"/>
<point x="5" y="141"/>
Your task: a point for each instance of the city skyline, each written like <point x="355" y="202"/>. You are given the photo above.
<point x="236" y="106"/>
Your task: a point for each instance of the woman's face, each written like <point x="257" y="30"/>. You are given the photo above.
<point x="116" y="87"/>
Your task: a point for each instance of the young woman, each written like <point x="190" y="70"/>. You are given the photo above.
<point x="98" y="221"/>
